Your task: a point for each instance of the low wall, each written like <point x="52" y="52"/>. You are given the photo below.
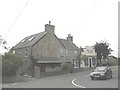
<point x="10" y="79"/>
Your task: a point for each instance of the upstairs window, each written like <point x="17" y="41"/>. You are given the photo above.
<point x="75" y="52"/>
<point x="31" y="38"/>
<point x="26" y="53"/>
<point x="23" y="41"/>
<point x="61" y="50"/>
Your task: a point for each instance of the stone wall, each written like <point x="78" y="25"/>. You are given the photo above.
<point x="48" y="46"/>
<point x="27" y="64"/>
<point x="50" y="69"/>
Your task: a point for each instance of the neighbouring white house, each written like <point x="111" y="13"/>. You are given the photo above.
<point x="88" y="57"/>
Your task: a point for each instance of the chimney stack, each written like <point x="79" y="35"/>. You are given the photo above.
<point x="49" y="28"/>
<point x="49" y="22"/>
<point x="70" y="38"/>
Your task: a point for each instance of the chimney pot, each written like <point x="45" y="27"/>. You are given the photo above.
<point x="49" y="22"/>
<point x="69" y="35"/>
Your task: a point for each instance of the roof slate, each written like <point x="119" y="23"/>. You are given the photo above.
<point x="68" y="45"/>
<point x="27" y="43"/>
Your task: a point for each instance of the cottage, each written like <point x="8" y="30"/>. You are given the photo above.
<point x="47" y="50"/>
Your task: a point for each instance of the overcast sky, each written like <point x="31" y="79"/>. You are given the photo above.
<point x="88" y="21"/>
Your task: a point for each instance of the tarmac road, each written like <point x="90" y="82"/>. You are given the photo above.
<point x="74" y="80"/>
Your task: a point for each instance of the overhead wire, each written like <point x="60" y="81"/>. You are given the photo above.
<point x="18" y="16"/>
<point x="89" y="11"/>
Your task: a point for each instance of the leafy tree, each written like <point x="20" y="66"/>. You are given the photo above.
<point x="10" y="64"/>
<point x="102" y="49"/>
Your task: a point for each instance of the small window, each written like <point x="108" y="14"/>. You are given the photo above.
<point x="23" y="41"/>
<point x="61" y="50"/>
<point x="31" y="38"/>
<point x="66" y="51"/>
<point x="26" y="53"/>
<point x="75" y="52"/>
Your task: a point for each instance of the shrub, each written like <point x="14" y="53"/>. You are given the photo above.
<point x="10" y="64"/>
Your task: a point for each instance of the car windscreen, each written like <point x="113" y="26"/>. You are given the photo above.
<point x="99" y="70"/>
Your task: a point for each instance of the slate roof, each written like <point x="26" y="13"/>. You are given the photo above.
<point x="35" y="37"/>
<point x="69" y="45"/>
<point x="25" y="42"/>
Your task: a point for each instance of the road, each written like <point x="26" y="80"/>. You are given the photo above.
<point x="74" y="80"/>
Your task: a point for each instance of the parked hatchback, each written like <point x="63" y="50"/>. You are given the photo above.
<point x="103" y="72"/>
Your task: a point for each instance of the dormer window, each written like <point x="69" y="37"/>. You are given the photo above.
<point x="31" y="38"/>
<point x="23" y="41"/>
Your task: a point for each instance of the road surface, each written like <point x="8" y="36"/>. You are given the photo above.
<point x="74" y="80"/>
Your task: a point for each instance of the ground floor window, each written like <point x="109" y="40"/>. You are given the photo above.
<point x="75" y="64"/>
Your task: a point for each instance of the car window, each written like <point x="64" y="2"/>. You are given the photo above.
<point x="99" y="70"/>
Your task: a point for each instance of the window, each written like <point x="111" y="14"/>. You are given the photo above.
<point x="31" y="38"/>
<point x="62" y="52"/>
<point x="66" y="51"/>
<point x="25" y="52"/>
<point x="75" y="52"/>
<point x="99" y="70"/>
<point x="23" y="41"/>
<point x="75" y="64"/>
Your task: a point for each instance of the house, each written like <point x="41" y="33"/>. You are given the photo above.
<point x="89" y="57"/>
<point x="47" y="50"/>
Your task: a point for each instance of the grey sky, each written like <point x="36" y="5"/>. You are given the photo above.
<point x="88" y="21"/>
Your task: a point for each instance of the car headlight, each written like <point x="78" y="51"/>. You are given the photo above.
<point x="102" y="74"/>
<point x="91" y="74"/>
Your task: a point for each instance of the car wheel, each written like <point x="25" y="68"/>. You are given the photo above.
<point x="111" y="76"/>
<point x="106" y="77"/>
<point x="92" y="78"/>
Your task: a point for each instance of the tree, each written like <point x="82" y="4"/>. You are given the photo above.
<point x="102" y="49"/>
<point x="10" y="64"/>
<point x="3" y="43"/>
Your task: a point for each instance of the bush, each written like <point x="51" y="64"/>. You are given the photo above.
<point x="10" y="64"/>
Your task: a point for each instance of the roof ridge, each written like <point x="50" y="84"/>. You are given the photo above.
<point x="35" y="34"/>
<point x="67" y="44"/>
